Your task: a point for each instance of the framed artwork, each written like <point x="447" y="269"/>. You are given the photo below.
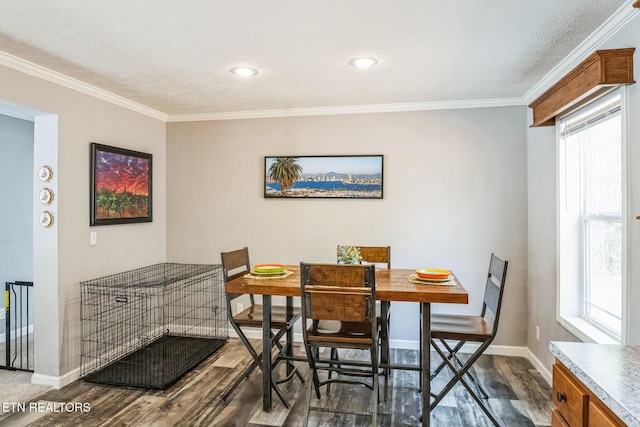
<point x="120" y="185"/>
<point x="323" y="177"/>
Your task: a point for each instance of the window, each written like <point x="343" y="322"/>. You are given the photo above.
<point x="591" y="227"/>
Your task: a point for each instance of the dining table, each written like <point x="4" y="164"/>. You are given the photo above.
<point x="391" y="285"/>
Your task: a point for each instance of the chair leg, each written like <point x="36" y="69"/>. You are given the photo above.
<point x="384" y="346"/>
<point x="450" y="356"/>
<point x="453" y="355"/>
<point x="333" y="356"/>
<point x="308" y="393"/>
<point x="459" y="376"/>
<point x="289" y="352"/>
<point x="257" y="361"/>
<point x="283" y="399"/>
<point x="375" y="391"/>
<point x="247" y="372"/>
<point x="312" y="353"/>
<point x="471" y="373"/>
<point x="480" y="403"/>
<point x="334" y="362"/>
<point x="420" y="350"/>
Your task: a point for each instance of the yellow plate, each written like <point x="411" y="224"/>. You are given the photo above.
<point x="269" y="268"/>
<point x="433" y="273"/>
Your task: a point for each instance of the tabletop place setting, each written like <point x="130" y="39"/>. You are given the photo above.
<point x="432" y="276"/>
<point x="268" y="271"/>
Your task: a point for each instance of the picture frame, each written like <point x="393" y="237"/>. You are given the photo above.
<point x="121" y="185"/>
<point x="324" y="177"/>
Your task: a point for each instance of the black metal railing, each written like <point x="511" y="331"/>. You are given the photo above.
<point x="18" y="330"/>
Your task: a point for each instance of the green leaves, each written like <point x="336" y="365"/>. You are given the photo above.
<point x="285" y="171"/>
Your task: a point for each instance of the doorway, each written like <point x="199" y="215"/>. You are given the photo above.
<point x="30" y="140"/>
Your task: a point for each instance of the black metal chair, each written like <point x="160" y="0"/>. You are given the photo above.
<point x="450" y="332"/>
<point x="236" y="264"/>
<point x="344" y="293"/>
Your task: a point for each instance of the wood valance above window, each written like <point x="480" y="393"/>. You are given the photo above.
<point x="596" y="75"/>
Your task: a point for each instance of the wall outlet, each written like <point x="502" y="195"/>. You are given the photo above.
<point x="538" y="333"/>
<point x="239" y="307"/>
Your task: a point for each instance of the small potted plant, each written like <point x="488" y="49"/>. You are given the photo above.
<point x="348" y="255"/>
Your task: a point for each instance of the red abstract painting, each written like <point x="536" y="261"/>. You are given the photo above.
<point x="121" y="185"/>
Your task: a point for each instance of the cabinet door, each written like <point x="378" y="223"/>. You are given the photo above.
<point x="598" y="417"/>
<point x="557" y="420"/>
<point x="569" y="398"/>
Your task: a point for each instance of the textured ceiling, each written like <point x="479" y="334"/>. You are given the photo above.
<point x="174" y="56"/>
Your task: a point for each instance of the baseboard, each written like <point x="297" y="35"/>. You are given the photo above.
<point x="404" y="344"/>
<point x="539" y="366"/>
<point x="22" y="332"/>
<point x="256" y="334"/>
<point x="498" y="350"/>
<point x="56" y="382"/>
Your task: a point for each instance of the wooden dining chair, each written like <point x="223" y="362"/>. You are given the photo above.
<point x="450" y="332"/>
<point x="376" y="254"/>
<point x="381" y="255"/>
<point x="236" y="264"/>
<point x="343" y="293"/>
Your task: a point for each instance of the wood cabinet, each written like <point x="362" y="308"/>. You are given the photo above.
<point x="575" y="405"/>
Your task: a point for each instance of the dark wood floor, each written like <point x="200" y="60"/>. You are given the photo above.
<point x="519" y="396"/>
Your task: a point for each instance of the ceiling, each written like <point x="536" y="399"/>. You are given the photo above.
<point x="174" y="56"/>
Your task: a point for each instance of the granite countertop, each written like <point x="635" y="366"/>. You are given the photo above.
<point x="611" y="372"/>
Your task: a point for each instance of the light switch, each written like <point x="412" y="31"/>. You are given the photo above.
<point x="93" y="238"/>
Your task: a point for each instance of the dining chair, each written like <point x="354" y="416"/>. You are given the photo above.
<point x="381" y="255"/>
<point x="449" y="333"/>
<point x="376" y="254"/>
<point x="343" y="293"/>
<point x="236" y="264"/>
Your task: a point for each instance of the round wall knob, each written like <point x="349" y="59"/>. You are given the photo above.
<point x="46" y="219"/>
<point x="46" y="196"/>
<point x="45" y="173"/>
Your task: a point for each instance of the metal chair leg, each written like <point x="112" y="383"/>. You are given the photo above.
<point x="459" y="376"/>
<point x="247" y="372"/>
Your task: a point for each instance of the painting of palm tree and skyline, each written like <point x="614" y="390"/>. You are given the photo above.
<point x="346" y="177"/>
<point x="120" y="185"/>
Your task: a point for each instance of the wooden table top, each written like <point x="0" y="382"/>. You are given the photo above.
<point x="391" y="285"/>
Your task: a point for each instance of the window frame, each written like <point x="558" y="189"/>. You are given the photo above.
<point x="572" y="284"/>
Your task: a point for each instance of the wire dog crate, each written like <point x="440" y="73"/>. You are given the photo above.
<point x="148" y="327"/>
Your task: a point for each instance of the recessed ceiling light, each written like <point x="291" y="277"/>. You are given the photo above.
<point x="363" y="61"/>
<point x="244" y="71"/>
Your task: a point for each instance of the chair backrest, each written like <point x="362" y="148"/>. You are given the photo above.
<point x="338" y="292"/>
<point x="235" y="264"/>
<point x="376" y="254"/>
<point x="494" y="290"/>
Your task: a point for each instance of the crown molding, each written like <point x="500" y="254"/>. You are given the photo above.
<point x="40" y="72"/>
<point x="612" y="25"/>
<point x="605" y="31"/>
<point x="348" y="109"/>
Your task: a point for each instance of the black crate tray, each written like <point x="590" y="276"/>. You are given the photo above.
<point x="159" y="364"/>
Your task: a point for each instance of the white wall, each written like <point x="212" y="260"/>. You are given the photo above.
<point x="82" y="119"/>
<point x="541" y="282"/>
<point x="541" y="259"/>
<point x="454" y="191"/>
<point x="16" y="190"/>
